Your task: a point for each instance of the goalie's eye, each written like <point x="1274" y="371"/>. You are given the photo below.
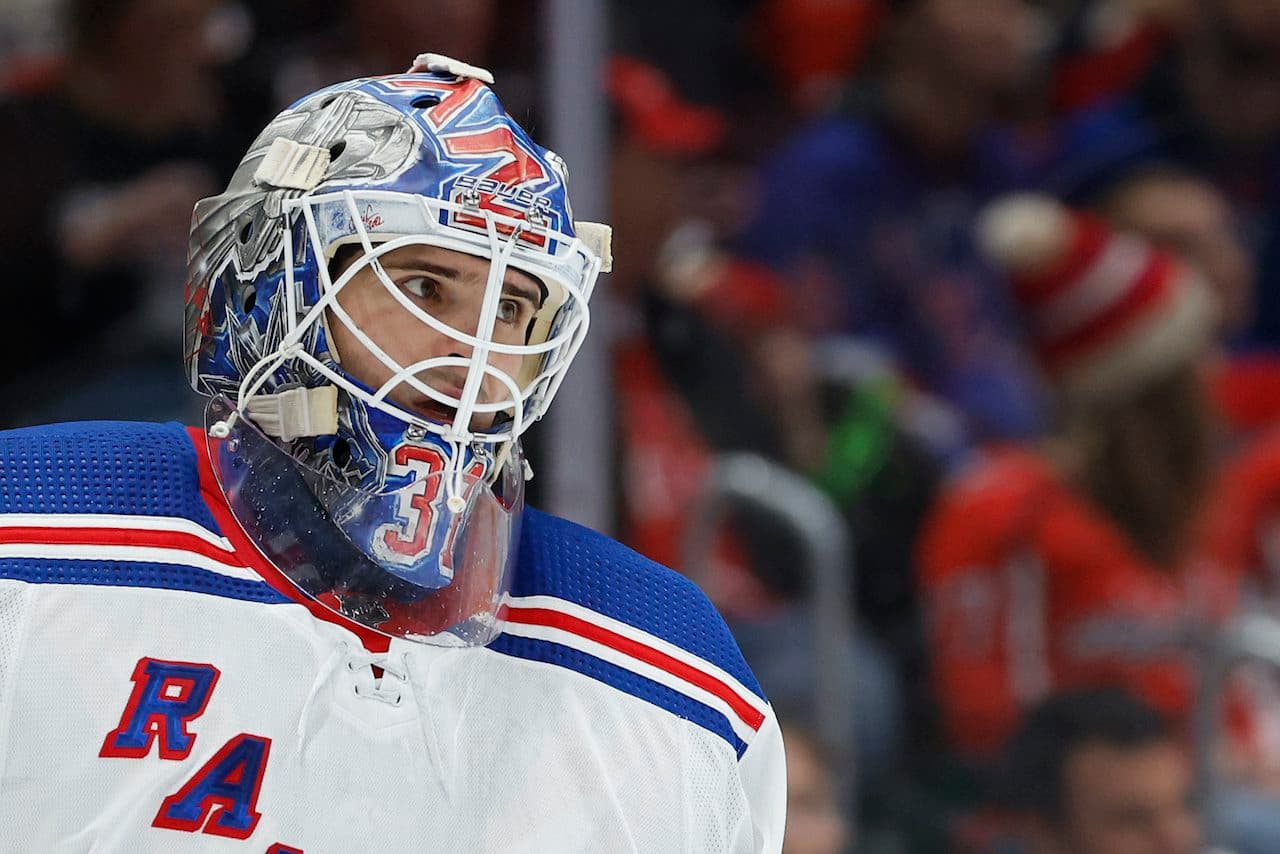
<point x="420" y="286"/>
<point x="509" y="311"/>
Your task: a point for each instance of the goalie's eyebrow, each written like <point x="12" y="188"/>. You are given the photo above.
<point x="515" y="283"/>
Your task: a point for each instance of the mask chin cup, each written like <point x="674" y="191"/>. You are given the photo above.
<point x="396" y="560"/>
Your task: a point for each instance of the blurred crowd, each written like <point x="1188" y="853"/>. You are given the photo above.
<point x="997" y="281"/>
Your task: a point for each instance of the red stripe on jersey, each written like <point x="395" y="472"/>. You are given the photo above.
<point x="751" y="716"/>
<point x="147" y="538"/>
<point x="250" y="555"/>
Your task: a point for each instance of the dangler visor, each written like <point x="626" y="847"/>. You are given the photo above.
<point x="398" y="561"/>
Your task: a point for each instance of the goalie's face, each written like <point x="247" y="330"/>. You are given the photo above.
<point x="450" y="286"/>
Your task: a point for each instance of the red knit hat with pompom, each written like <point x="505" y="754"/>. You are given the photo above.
<point x="1105" y="312"/>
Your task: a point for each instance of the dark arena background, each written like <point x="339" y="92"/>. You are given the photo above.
<point x="941" y="348"/>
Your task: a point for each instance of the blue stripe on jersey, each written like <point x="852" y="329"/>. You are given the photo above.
<point x="107" y="573"/>
<point x="559" y="558"/>
<point x="535" y="649"/>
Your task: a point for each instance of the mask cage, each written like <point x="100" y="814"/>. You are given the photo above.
<point x="381" y="222"/>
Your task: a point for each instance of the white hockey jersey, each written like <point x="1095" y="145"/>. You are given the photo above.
<point x="164" y="689"/>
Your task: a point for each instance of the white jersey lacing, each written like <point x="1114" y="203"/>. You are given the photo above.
<point x="387" y="688"/>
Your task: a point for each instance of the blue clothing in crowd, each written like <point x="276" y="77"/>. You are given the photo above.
<point x="880" y="245"/>
<point x="1155" y="127"/>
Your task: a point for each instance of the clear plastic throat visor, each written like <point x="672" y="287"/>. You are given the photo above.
<point x="396" y="561"/>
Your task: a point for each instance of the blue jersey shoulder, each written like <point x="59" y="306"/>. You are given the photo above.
<point x="112" y="503"/>
<point x="113" y="467"/>
<point x="562" y="559"/>
<point x="582" y="602"/>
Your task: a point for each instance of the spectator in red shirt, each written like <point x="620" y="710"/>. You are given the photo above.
<point x="1095" y="556"/>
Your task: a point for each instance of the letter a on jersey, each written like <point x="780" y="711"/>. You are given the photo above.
<point x="230" y="783"/>
<point x="167" y="695"/>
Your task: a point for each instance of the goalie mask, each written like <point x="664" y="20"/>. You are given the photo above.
<point x="386" y="296"/>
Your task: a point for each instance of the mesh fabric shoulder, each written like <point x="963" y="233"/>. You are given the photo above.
<point x="111" y="467"/>
<point x="565" y="560"/>
<point x="117" y="504"/>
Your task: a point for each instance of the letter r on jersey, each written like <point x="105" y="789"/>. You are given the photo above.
<point x="167" y="695"/>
